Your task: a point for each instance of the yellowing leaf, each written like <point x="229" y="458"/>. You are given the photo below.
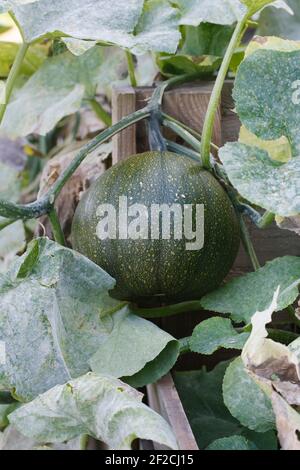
<point x="271" y="43"/>
<point x="279" y="149"/>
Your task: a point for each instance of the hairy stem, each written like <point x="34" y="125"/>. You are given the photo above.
<point x="84" y="441"/>
<point x="131" y="69"/>
<point x="12" y="77"/>
<point x="100" y="112"/>
<point x="266" y="220"/>
<point x="57" y="231"/>
<point x="216" y="94"/>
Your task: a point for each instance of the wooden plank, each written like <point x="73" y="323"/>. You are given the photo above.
<point x="187" y="103"/>
<point x="164" y="399"/>
<point x="230" y="120"/>
<point x="123" y="104"/>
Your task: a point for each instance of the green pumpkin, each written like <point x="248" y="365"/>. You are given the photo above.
<point x="147" y="268"/>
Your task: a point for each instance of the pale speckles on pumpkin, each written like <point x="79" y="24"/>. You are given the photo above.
<point x="149" y="267"/>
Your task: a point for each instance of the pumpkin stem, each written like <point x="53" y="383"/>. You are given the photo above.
<point x="156" y="139"/>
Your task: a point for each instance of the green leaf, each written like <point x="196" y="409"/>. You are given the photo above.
<point x="12" y="237"/>
<point x="100" y="406"/>
<point x="156" y="368"/>
<point x="133" y="24"/>
<point x="59" y="302"/>
<point x="243" y="296"/>
<point x="157" y="29"/>
<point x="201" y="395"/>
<point x="34" y="58"/>
<point x="223" y="12"/>
<point x="5" y="410"/>
<point x="182" y="64"/>
<point x="280" y="23"/>
<point x="128" y="349"/>
<point x="206" y="39"/>
<point x="95" y="19"/>
<point x="216" y="333"/>
<point x="272" y="185"/>
<point x="266" y="95"/>
<point x="12" y="242"/>
<point x="232" y="443"/>
<point x="57" y="309"/>
<point x="254" y="6"/>
<point x="245" y="400"/>
<point x="58" y="88"/>
<point x="12" y="439"/>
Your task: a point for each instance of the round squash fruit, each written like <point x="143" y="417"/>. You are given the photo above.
<point x="137" y="241"/>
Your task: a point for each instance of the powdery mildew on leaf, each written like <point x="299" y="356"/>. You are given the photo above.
<point x="215" y="333"/>
<point x="264" y="182"/>
<point x="224" y="12"/>
<point x="49" y="317"/>
<point x="132" y="345"/>
<point x="245" y="400"/>
<point x="99" y="406"/>
<point x="266" y="95"/>
<point x="134" y="24"/>
<point x="57" y="89"/>
<point x="243" y="296"/>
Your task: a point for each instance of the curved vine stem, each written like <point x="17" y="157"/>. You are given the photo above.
<point x="45" y="204"/>
<point x="13" y="75"/>
<point x="216" y="94"/>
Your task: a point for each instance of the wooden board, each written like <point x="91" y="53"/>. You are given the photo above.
<point x="187" y="104"/>
<point x="164" y="399"/>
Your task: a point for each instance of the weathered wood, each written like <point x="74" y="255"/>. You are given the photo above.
<point x="163" y="398"/>
<point x="230" y="120"/>
<point x="123" y="104"/>
<point x="187" y="103"/>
